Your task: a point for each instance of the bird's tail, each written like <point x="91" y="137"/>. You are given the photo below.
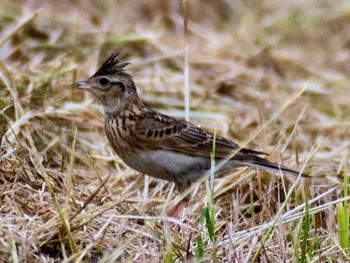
<point x="253" y="160"/>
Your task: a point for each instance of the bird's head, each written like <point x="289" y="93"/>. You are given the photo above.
<point x="111" y="85"/>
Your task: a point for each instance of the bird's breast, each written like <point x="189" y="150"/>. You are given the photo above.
<point x="118" y="135"/>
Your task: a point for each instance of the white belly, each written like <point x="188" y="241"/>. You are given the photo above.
<point x="168" y="165"/>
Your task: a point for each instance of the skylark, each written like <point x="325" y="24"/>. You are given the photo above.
<point x="157" y="144"/>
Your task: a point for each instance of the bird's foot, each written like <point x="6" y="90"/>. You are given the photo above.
<point x="177" y="209"/>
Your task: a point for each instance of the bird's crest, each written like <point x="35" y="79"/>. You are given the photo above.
<point x="113" y="65"/>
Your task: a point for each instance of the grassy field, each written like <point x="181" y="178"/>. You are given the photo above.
<point x="272" y="75"/>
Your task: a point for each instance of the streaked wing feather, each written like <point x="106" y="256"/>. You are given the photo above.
<point x="166" y="132"/>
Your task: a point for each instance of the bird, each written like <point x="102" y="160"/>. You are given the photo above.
<point x="157" y="144"/>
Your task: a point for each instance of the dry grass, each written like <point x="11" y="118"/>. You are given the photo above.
<point x="267" y="73"/>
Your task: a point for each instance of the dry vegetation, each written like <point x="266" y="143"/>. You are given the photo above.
<point x="272" y="74"/>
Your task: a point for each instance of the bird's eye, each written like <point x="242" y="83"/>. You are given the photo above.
<point x="103" y="81"/>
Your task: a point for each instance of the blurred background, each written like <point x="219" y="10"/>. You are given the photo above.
<point x="277" y="67"/>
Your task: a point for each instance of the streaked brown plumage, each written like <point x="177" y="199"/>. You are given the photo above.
<point x="154" y="143"/>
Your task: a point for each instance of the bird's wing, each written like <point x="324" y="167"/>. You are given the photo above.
<point x="160" y="131"/>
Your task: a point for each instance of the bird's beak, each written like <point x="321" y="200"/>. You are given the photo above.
<point x="82" y="85"/>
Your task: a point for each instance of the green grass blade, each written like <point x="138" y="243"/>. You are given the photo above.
<point x="199" y="249"/>
<point x="306" y="229"/>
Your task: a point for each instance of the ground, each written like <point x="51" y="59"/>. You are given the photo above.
<point x="271" y="75"/>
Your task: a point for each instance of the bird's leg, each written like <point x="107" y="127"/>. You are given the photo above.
<point x="177" y="209"/>
<point x="182" y="185"/>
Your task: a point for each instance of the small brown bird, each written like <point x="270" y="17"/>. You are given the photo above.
<point x="157" y="144"/>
